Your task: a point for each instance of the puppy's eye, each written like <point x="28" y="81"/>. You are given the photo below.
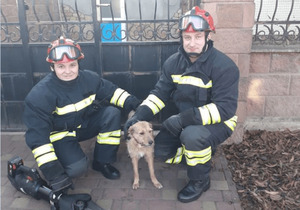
<point x="142" y="133"/>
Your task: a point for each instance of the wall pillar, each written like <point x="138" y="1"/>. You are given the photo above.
<point x="234" y="20"/>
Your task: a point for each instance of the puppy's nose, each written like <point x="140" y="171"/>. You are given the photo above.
<point x="150" y="142"/>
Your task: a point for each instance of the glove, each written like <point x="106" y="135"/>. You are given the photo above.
<point x="176" y="123"/>
<point x="73" y="201"/>
<point x="173" y="124"/>
<point x="131" y="103"/>
<point x="130" y="122"/>
<point x="143" y="113"/>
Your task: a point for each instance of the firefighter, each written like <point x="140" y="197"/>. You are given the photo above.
<point x="68" y="106"/>
<point x="203" y="84"/>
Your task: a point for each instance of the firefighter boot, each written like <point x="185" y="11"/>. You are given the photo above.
<point x="107" y="170"/>
<point x="193" y="190"/>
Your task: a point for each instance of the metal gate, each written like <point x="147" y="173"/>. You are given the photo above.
<point x="124" y="41"/>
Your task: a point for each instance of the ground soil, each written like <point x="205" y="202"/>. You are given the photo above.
<point x="265" y="168"/>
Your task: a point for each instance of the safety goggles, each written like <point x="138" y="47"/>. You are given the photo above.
<point x="57" y="53"/>
<point x="198" y="23"/>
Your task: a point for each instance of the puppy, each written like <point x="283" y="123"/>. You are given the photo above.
<point x="140" y="144"/>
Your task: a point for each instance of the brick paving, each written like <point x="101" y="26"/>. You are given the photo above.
<point x="118" y="194"/>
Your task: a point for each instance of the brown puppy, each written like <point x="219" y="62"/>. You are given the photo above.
<point x="140" y="144"/>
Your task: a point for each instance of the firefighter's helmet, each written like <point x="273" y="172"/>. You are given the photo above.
<point x="63" y="50"/>
<point x="196" y="20"/>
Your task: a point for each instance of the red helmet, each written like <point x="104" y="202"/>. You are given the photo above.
<point x="196" y="20"/>
<point x="63" y="50"/>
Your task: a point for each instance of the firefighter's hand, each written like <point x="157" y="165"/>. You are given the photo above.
<point x="73" y="201"/>
<point x="174" y="125"/>
<point x="129" y="123"/>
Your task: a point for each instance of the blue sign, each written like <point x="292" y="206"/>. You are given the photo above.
<point x="111" y="32"/>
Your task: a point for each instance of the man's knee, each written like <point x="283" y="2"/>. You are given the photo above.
<point x="195" y="137"/>
<point x="78" y="168"/>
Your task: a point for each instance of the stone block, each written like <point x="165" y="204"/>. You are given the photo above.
<point x="230" y="15"/>
<point x="241" y="111"/>
<point x="282" y="106"/>
<point x="295" y="85"/>
<point x="268" y="85"/>
<point x="243" y="64"/>
<point x="233" y="40"/>
<point x="243" y="88"/>
<point x="255" y="105"/>
<point x="285" y="63"/>
<point x="260" y="62"/>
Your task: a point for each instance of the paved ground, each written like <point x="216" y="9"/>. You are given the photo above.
<point x="118" y="195"/>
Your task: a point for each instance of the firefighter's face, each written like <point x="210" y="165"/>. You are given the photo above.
<point x="67" y="71"/>
<point x="193" y="42"/>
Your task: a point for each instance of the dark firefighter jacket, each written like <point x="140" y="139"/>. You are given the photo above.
<point x="209" y="87"/>
<point x="55" y="108"/>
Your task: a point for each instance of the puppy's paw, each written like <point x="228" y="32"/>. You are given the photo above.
<point x="158" y="185"/>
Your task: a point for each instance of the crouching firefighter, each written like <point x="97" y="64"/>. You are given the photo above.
<point x="68" y="106"/>
<point x="203" y="84"/>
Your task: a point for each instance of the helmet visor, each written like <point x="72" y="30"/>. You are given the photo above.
<point x="198" y="23"/>
<point x="57" y="53"/>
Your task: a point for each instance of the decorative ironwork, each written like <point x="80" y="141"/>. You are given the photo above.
<point x="48" y="20"/>
<point x="271" y="29"/>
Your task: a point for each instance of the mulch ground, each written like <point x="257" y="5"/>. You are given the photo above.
<point x="265" y="168"/>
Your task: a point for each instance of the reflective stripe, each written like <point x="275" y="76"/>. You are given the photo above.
<point x="197" y="157"/>
<point x="119" y="97"/>
<point x="214" y="113"/>
<point x="177" y="158"/>
<point x="60" y="135"/>
<point x="111" y="138"/>
<point x="190" y="80"/>
<point x="206" y="120"/>
<point x="154" y="103"/>
<point x="75" y="107"/>
<point x="46" y="158"/>
<point x="46" y="148"/>
<point x="231" y="123"/>
<point x="209" y="114"/>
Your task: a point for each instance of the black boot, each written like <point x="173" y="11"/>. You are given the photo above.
<point x="107" y="170"/>
<point x="193" y="190"/>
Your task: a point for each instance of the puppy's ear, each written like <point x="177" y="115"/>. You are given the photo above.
<point x="130" y="132"/>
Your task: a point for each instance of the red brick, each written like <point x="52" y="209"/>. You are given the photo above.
<point x="285" y="63"/>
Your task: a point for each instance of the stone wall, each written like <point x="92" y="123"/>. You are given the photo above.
<point x="234" y="21"/>
<point x="269" y="90"/>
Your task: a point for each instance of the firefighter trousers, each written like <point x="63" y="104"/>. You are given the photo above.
<point x="195" y="146"/>
<point x="106" y="125"/>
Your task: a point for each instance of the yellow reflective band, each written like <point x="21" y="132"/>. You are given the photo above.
<point x="197" y="157"/>
<point x="190" y="80"/>
<point x="75" y="107"/>
<point x="112" y="137"/>
<point x="46" y="148"/>
<point x="46" y="158"/>
<point x="231" y="123"/>
<point x="206" y="119"/>
<point x="119" y="97"/>
<point x="214" y="113"/>
<point x="154" y="103"/>
<point x="196" y="161"/>
<point x="60" y="135"/>
<point x="177" y="158"/>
